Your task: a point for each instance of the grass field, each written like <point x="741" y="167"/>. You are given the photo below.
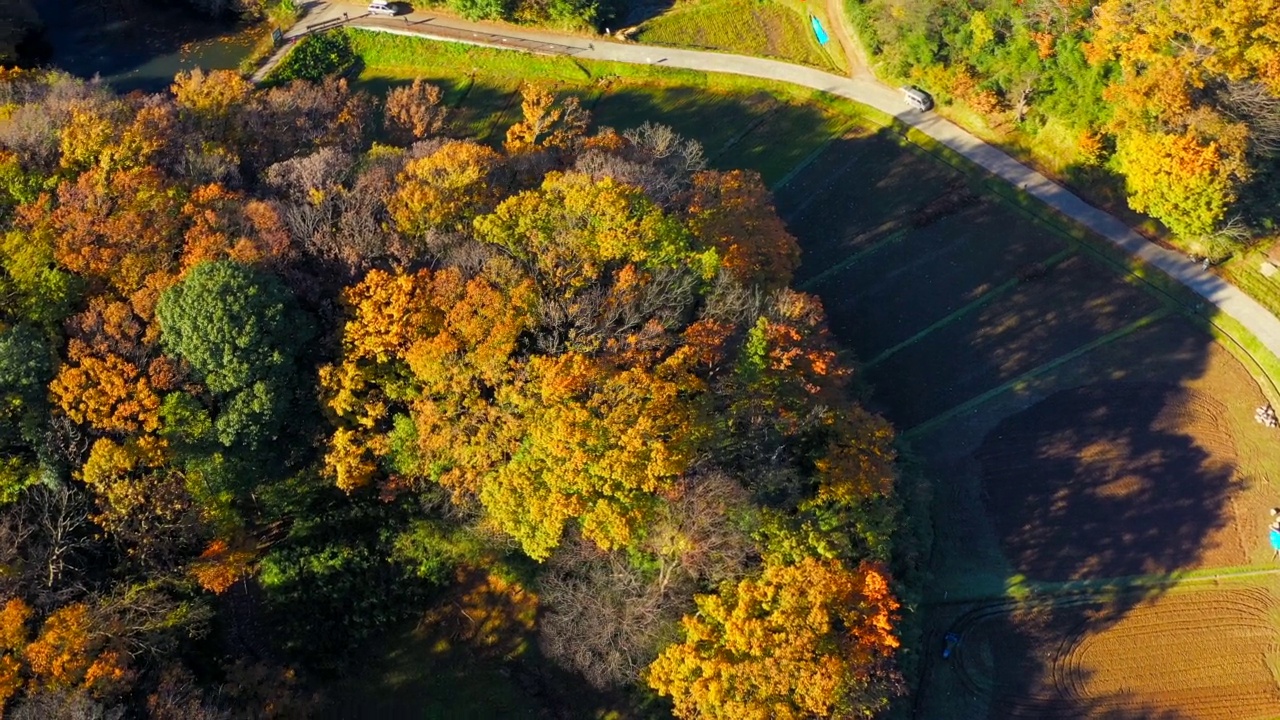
<point x="741" y="122"/>
<point x="1087" y="432"/>
<point x="767" y="28"/>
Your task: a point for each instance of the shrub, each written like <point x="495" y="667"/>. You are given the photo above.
<point x="316" y="57"/>
<point x="481" y="9"/>
<point x="284" y="14"/>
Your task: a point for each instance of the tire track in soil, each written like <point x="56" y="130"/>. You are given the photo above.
<point x="1201" y="653"/>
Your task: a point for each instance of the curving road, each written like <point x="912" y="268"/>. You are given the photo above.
<point x="861" y="88"/>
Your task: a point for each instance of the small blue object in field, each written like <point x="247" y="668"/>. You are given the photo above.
<point x="1275" y="540"/>
<point x="818" y="32"/>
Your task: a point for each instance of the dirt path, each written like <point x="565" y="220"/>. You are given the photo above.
<point x="858" y="65"/>
<point x="861" y="88"/>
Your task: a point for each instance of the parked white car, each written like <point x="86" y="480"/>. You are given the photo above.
<point x="381" y="7"/>
<point x="917" y="98"/>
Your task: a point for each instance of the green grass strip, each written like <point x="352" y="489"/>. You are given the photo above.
<point x="985" y="298"/>
<point x="840" y="133"/>
<point x="933" y="422"/>
<point x="1044" y="591"/>
<point x="807" y="160"/>
<point x="1262" y="363"/>
<point x="756" y="122"/>
<point x="893" y="237"/>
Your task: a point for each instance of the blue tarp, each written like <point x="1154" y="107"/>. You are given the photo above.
<point x="818" y="32"/>
<point x="1275" y="540"/>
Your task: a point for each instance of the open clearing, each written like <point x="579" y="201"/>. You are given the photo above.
<point x="740" y="122"/>
<point x="1080" y="435"/>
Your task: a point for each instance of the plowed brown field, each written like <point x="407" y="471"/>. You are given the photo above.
<point x="1202" y="654"/>
<point x="1114" y="479"/>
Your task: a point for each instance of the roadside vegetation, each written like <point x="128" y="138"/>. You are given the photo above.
<point x="315" y="58"/>
<point x="572" y="15"/>
<point x="1118" y="95"/>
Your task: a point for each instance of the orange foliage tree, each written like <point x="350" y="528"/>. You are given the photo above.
<point x="546" y="122"/>
<point x="221" y="565"/>
<point x="71" y="650"/>
<point x="733" y="213"/>
<point x="446" y="189"/>
<point x="415" y="111"/>
<point x="117" y="227"/>
<point x="14" y="636"/>
<point x="107" y="381"/>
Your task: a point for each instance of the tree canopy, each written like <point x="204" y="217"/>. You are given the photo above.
<point x="265" y="369"/>
<point x="1177" y="99"/>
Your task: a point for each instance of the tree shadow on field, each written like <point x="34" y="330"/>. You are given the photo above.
<point x="1097" y="482"/>
<point x="1092" y="486"/>
<point x="736" y="129"/>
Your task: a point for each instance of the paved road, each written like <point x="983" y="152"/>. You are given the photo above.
<point x="863" y="89"/>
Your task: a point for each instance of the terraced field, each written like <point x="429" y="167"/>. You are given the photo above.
<point x="1090" y="448"/>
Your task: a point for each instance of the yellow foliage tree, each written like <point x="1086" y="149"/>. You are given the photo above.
<point x="573" y="229"/>
<point x="143" y="503"/>
<point x="600" y="445"/>
<point x="435" y="345"/>
<point x="801" y="641"/>
<point x="88" y="132"/>
<point x="1182" y="155"/>
<point x="446" y="189"/>
<point x="1177" y="179"/>
<point x="215" y="94"/>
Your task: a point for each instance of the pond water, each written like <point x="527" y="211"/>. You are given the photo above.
<point x="134" y="45"/>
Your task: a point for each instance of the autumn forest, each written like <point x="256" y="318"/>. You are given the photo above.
<point x="277" y="366"/>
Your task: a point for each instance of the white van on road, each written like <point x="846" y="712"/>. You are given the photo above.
<point x="917" y="98"/>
